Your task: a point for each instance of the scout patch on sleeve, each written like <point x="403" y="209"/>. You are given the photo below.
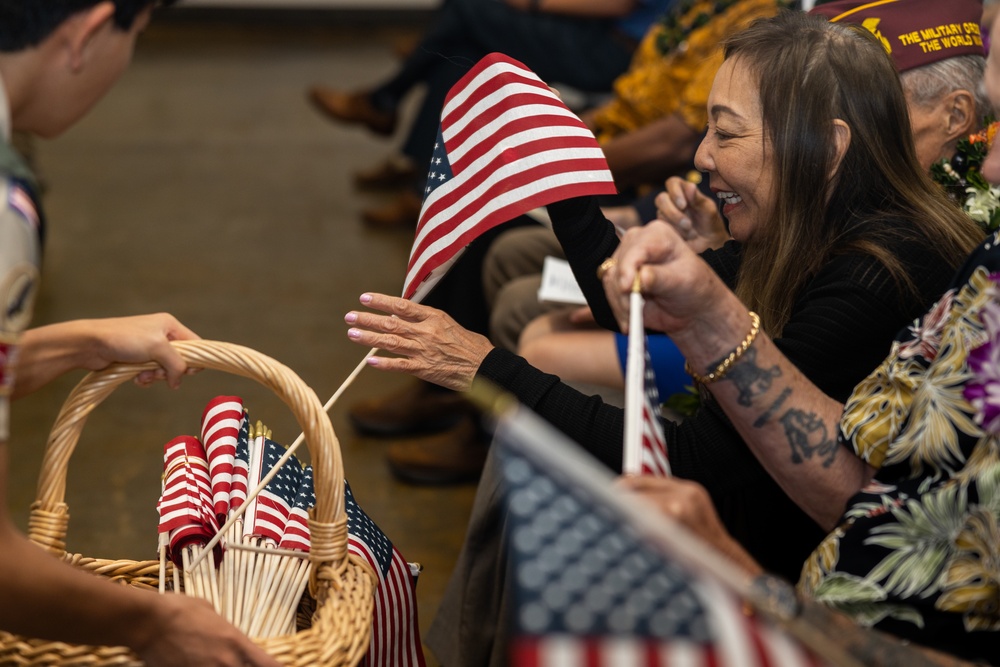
<point x="17" y="297"/>
<point x="19" y="200"/>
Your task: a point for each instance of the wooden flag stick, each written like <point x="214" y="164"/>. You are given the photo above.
<point x="239" y="585"/>
<point x="273" y="595"/>
<point x="287" y="604"/>
<point x="284" y="457"/>
<point x="213" y="582"/>
<point x="276" y="613"/>
<point x="265" y="589"/>
<point x="163" y="569"/>
<point x="246" y="584"/>
<point x="300" y="577"/>
<point x="230" y="559"/>
<point x="190" y="587"/>
<point x="286" y="600"/>
<point x="634" y="371"/>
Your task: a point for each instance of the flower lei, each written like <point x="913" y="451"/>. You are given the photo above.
<point x="962" y="179"/>
<point x="983" y="390"/>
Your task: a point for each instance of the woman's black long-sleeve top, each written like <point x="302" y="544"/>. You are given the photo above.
<point x="842" y="325"/>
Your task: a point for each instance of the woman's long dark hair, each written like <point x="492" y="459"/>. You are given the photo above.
<point x="811" y="72"/>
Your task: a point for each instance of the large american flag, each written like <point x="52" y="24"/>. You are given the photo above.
<point x="591" y="588"/>
<point x="506" y="144"/>
<point x="395" y="632"/>
<point x="220" y="427"/>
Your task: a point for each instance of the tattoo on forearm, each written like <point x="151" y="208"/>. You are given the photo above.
<point x="778" y="402"/>
<point x="807" y="435"/>
<point x="750" y="379"/>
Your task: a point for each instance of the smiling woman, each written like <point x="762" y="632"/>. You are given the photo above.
<point x="735" y="152"/>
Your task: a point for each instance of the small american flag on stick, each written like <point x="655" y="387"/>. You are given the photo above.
<point x="185" y="507"/>
<point x="296" y="533"/>
<point x="241" y="465"/>
<point x="395" y="632"/>
<point x="220" y="427"/>
<point x="645" y="451"/>
<point x="269" y="511"/>
<point x="506" y="144"/>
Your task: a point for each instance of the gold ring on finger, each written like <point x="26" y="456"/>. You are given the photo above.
<point x="605" y="266"/>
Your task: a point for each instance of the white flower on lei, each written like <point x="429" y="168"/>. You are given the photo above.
<point x="981" y="204"/>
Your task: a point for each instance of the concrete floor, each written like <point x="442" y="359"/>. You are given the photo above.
<point x="204" y="185"/>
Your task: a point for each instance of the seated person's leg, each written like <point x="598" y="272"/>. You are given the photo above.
<point x="575" y="352"/>
<point x="516" y="253"/>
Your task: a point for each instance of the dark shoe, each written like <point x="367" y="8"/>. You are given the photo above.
<point x="395" y="172"/>
<point x="402" y="212"/>
<point x="415" y="409"/>
<point x="355" y="108"/>
<point x="451" y="457"/>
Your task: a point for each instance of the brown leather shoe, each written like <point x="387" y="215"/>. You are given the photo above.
<point x="415" y="409"/>
<point x="354" y="108"/>
<point x="402" y="212"/>
<point x="451" y="457"/>
<point x="392" y="173"/>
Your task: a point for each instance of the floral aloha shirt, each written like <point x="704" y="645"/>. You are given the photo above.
<point x="917" y="553"/>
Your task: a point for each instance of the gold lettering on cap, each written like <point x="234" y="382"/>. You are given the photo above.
<point x="871" y="25"/>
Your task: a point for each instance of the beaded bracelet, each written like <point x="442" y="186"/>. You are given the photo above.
<point x="727" y="363"/>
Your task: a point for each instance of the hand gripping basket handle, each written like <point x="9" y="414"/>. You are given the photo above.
<point x="49" y="513"/>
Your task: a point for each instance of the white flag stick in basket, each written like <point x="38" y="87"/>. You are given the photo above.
<point x="284" y="457"/>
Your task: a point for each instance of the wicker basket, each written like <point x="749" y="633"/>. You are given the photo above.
<point x="341" y="586"/>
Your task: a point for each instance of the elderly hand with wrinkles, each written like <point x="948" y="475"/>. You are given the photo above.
<point x="430" y="344"/>
<point x="683" y="296"/>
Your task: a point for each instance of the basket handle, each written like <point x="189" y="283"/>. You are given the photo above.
<point x="49" y="513"/>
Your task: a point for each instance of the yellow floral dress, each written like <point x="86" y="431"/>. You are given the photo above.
<point x="917" y="553"/>
<point x="659" y="84"/>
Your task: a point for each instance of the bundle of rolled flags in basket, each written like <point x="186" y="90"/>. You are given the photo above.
<point x="258" y="573"/>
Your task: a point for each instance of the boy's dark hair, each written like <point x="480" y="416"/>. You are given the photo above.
<point x="25" y="23"/>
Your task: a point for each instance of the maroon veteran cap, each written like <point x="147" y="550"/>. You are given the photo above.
<point x="915" y="32"/>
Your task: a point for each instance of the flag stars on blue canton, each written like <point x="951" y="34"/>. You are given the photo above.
<point x="285" y="483"/>
<point x="577" y="570"/>
<point x="440" y="170"/>
<point x="305" y="496"/>
<point x="360" y="525"/>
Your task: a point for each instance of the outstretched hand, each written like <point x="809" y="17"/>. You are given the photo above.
<point x="430" y="344"/>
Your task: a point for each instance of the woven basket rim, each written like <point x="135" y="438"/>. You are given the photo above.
<point x="338" y="578"/>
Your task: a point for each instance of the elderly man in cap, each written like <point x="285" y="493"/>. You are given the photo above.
<point x="938" y="50"/>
